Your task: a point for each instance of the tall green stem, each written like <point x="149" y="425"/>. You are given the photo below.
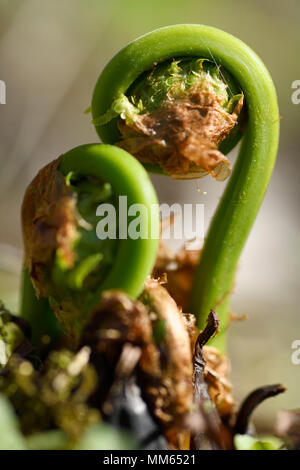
<point x="245" y="191"/>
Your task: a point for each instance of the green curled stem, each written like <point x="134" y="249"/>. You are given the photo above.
<point x="245" y="190"/>
<point x="134" y="258"/>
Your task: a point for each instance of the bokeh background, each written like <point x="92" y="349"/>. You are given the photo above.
<point x="51" y="52"/>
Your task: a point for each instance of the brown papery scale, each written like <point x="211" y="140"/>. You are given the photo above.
<point x="49" y="223"/>
<point x="183" y="135"/>
<point x="164" y="369"/>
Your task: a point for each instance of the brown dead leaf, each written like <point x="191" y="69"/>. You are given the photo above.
<point x="180" y="269"/>
<point x="216" y="374"/>
<point x="48" y="222"/>
<point x="167" y="375"/>
<point x="164" y="367"/>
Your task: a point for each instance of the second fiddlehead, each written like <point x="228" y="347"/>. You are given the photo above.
<point x="67" y="261"/>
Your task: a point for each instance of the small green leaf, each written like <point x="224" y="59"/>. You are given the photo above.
<point x="245" y="442"/>
<point x="82" y="270"/>
<point x="104" y="437"/>
<point x="105" y="118"/>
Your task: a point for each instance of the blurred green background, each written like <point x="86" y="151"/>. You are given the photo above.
<point x="51" y="52"/>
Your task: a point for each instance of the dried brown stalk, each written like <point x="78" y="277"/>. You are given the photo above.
<point x="251" y="402"/>
<point x="213" y="437"/>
